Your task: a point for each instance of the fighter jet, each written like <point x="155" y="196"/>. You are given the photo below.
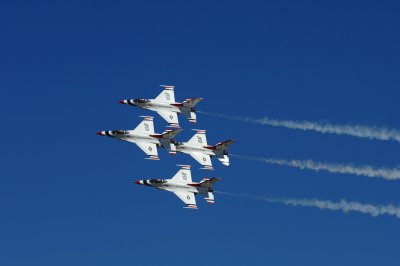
<point x="143" y="136"/>
<point x="165" y="105"/>
<point x="181" y="185"/>
<point x="197" y="147"/>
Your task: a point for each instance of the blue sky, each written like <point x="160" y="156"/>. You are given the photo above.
<point x="67" y="195"/>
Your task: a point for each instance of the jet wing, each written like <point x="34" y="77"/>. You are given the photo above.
<point x="150" y="149"/>
<point x="146" y="126"/>
<point x="188" y="198"/>
<point x="170" y="117"/>
<point x="167" y="95"/>
<point x="203" y="159"/>
<point x="199" y="139"/>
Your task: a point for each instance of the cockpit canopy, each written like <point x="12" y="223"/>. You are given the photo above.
<point x="140" y="101"/>
<point x="119" y="132"/>
<point x="156" y="181"/>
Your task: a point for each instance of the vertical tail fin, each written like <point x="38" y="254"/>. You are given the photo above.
<point x="191" y="102"/>
<point x="208" y="182"/>
<point x="223" y="145"/>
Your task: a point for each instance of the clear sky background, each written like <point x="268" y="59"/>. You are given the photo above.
<point x="67" y="196"/>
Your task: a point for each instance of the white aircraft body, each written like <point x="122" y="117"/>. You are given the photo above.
<point x="183" y="187"/>
<point x="198" y="148"/>
<point x="143" y="136"/>
<point x="164" y="104"/>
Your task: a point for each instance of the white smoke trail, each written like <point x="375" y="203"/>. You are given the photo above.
<point x="342" y="205"/>
<point x="363" y="170"/>
<point x="361" y="131"/>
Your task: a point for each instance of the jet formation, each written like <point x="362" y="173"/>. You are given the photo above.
<point x="197" y="147"/>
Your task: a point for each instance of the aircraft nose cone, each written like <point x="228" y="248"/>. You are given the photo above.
<point x="137" y="182"/>
<point x="122" y="101"/>
<point x="100" y="133"/>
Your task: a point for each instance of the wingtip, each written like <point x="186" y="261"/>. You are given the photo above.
<point x="168" y="87"/>
<point x="174" y="125"/>
<point x="184" y="166"/>
<point x="191" y="206"/>
<point x="148" y="118"/>
<point x="152" y="157"/>
<point x="200" y="131"/>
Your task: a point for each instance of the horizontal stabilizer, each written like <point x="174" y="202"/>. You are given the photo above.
<point x="172" y="149"/>
<point x="191" y="116"/>
<point x="210" y="198"/>
<point x="224" y="159"/>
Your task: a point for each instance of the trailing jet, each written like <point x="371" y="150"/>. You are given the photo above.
<point x="143" y="136"/>
<point x="197" y="147"/>
<point x="181" y="185"/>
<point x="165" y="105"/>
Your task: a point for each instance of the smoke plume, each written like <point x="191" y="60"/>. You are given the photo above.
<point x="361" y="131"/>
<point x="342" y="205"/>
<point x="362" y="170"/>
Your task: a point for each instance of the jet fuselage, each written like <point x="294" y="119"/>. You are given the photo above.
<point x="128" y="135"/>
<point x="186" y="148"/>
<point x="170" y="185"/>
<point x="158" y="106"/>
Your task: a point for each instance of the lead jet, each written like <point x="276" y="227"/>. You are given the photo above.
<point x="198" y="148"/>
<point x="164" y="104"/>
<point x="143" y="136"/>
<point x="183" y="187"/>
